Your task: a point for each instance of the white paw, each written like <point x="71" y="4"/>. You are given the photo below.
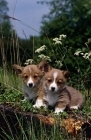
<point x="35" y="105"/>
<point x="38" y="103"/>
<point x="74" y="107"/>
<point x="58" y="110"/>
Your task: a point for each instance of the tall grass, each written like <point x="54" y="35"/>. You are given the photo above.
<point x="9" y="79"/>
<point x="11" y="84"/>
<point x="32" y="130"/>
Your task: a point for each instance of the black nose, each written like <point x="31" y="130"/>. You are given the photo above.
<point x="52" y="88"/>
<point x="30" y="84"/>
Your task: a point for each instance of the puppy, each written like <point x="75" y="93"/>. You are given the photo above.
<point x="57" y="94"/>
<point x="32" y="76"/>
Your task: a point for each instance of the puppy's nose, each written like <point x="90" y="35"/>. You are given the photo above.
<point x="30" y="84"/>
<point x="52" y="88"/>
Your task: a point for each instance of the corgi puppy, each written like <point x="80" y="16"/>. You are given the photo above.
<point x="32" y="76"/>
<point x="57" y="94"/>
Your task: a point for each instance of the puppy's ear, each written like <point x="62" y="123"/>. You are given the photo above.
<point x="18" y="69"/>
<point x="66" y="74"/>
<point x="44" y="66"/>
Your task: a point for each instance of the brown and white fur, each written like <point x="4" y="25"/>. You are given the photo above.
<point x="57" y="94"/>
<point x="32" y="76"/>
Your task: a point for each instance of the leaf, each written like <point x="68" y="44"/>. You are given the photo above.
<point x="89" y="40"/>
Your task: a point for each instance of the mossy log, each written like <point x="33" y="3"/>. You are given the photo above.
<point x="11" y="120"/>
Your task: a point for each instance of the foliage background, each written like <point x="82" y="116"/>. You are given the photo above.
<point x="72" y="51"/>
<point x="68" y="17"/>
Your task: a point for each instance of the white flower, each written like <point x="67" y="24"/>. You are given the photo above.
<point x="55" y="39"/>
<point x="42" y="48"/>
<point x="77" y="53"/>
<point x="42" y="56"/>
<point x="29" y="61"/>
<point x="59" y="63"/>
<point x="87" y="55"/>
<point x="62" y="36"/>
<point x="82" y="53"/>
<point x="58" y="42"/>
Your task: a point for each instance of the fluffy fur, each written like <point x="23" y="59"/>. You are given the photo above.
<point x="32" y="76"/>
<point x="57" y="94"/>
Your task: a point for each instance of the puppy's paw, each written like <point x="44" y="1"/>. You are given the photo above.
<point x="58" y="110"/>
<point x="73" y="107"/>
<point x="38" y="103"/>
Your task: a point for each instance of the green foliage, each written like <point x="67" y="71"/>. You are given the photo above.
<point x="77" y="61"/>
<point x="73" y="19"/>
<point x="84" y="55"/>
<point x="12" y="95"/>
<point x="68" y="17"/>
<point x="72" y="53"/>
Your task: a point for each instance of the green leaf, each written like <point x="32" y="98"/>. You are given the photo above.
<point x="89" y="40"/>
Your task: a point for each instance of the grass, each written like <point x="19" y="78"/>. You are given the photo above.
<point x="12" y="94"/>
<point x="12" y="91"/>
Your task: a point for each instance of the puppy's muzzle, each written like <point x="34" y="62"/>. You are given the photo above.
<point x="52" y="88"/>
<point x="30" y="84"/>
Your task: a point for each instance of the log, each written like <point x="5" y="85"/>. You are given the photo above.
<point x="11" y="118"/>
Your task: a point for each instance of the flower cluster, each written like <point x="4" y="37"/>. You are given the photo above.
<point x="42" y="48"/>
<point x="83" y="54"/>
<point x="42" y="56"/>
<point x="59" y="40"/>
<point x="59" y="63"/>
<point x="29" y="61"/>
<point x="62" y="36"/>
<point x="87" y="55"/>
<point x="50" y="52"/>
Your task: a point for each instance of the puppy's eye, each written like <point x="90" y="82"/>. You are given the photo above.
<point x="35" y="76"/>
<point x="25" y="76"/>
<point x="49" y="80"/>
<point x="59" y="82"/>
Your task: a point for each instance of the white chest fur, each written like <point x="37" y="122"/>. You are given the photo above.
<point x="51" y="98"/>
<point x="32" y="92"/>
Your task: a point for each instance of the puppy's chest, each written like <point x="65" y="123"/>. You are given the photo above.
<point x="51" y="98"/>
<point x="32" y="92"/>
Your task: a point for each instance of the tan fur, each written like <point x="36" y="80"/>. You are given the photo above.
<point x="32" y="76"/>
<point x="62" y="96"/>
<point x="76" y="97"/>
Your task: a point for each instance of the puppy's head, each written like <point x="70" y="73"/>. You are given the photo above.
<point x="55" y="80"/>
<point x="32" y="74"/>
